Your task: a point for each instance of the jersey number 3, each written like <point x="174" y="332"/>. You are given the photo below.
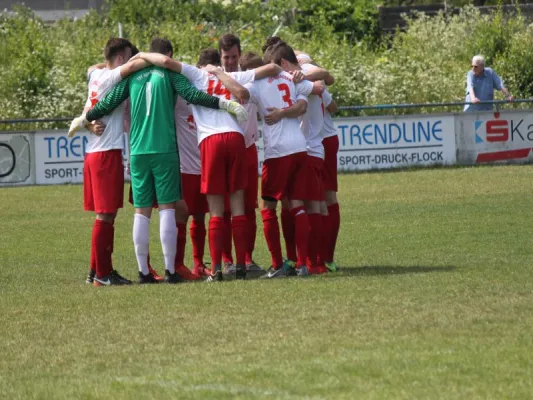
<point x="217" y="90"/>
<point x="283" y="87"/>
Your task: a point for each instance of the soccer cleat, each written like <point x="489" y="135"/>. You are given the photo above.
<point x="215" y="277"/>
<point x="229" y="268"/>
<point x="240" y="273"/>
<point x="201" y="271"/>
<point x="290" y="269"/>
<point x="302" y="271"/>
<point x="253" y="267"/>
<point x="186" y="274"/>
<point x="108" y="280"/>
<point x="154" y="273"/>
<point x="125" y="281"/>
<point x="90" y="277"/>
<point x="172" y="278"/>
<point x="148" y="278"/>
<point x="275" y="273"/>
<point x="332" y="266"/>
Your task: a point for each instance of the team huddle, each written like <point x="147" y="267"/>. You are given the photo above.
<point x="192" y="134"/>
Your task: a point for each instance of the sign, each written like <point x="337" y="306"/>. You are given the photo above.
<point x="15" y="160"/>
<point x="496" y="137"/>
<point x="392" y="142"/>
<point x="59" y="159"/>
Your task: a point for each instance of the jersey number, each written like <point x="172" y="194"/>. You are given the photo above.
<point x="148" y="93"/>
<point x="283" y="87"/>
<point x="218" y="90"/>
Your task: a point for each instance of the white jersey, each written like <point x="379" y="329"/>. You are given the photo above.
<point x="284" y="137"/>
<point x="328" y="129"/>
<point x="208" y="121"/>
<point x="187" y="138"/>
<point x="250" y="127"/>
<point x="312" y="122"/>
<point x="102" y="81"/>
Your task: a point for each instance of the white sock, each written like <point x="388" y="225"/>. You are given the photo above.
<point x="169" y="236"/>
<point x="141" y="232"/>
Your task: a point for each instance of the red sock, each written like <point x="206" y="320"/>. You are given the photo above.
<point x="102" y="240"/>
<point x="288" y="227"/>
<point x="148" y="260"/>
<point x="197" y="232"/>
<point x="251" y="234"/>
<point x="271" y="229"/>
<point x="301" y="223"/>
<point x="180" y="245"/>
<point x="239" y="227"/>
<point x="323" y="247"/>
<point x="334" y="225"/>
<point x="226" y="249"/>
<point x="216" y="240"/>
<point x="315" y="235"/>
<point x="93" y="253"/>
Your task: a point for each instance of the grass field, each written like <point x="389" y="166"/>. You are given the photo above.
<point x="435" y="301"/>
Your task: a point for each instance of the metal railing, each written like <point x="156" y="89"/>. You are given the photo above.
<point x="378" y="107"/>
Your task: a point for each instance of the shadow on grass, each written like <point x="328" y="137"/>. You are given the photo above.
<point x="390" y="270"/>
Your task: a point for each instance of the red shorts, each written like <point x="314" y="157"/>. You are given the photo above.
<point x="130" y="199"/>
<point x="329" y="172"/>
<point x="315" y="185"/>
<point x="195" y="200"/>
<point x="285" y="177"/>
<point x="103" y="182"/>
<point x="252" y="162"/>
<point x="223" y="163"/>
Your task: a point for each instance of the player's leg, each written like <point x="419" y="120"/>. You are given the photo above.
<point x="237" y="182"/>
<point x="288" y="228"/>
<point x="250" y="202"/>
<point x="167" y="181"/>
<point x="144" y="195"/>
<point x="214" y="186"/>
<point x="227" y="257"/>
<point x="182" y="215"/>
<point x="107" y="182"/>
<point x="330" y="178"/>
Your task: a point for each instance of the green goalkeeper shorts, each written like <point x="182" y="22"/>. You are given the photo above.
<point x="155" y="176"/>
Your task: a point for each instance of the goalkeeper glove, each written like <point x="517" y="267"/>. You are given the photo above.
<point x="77" y="124"/>
<point x="233" y="108"/>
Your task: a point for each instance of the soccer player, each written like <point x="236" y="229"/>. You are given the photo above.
<point x="222" y="150"/>
<point x="154" y="154"/>
<point x="282" y="54"/>
<point x="229" y="47"/>
<point x="103" y="172"/>
<point x="329" y="173"/>
<point x="280" y="103"/>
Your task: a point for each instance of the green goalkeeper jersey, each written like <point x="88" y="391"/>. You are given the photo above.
<point x="152" y="93"/>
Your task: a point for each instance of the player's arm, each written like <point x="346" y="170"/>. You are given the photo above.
<point x="329" y="103"/>
<point x="267" y="70"/>
<point x="239" y="91"/>
<point x="95" y="66"/>
<point x="190" y="94"/>
<point x="132" y="66"/>
<point x="159" y="60"/>
<point x="319" y="74"/>
<point x="332" y="108"/>
<point x="294" y="111"/>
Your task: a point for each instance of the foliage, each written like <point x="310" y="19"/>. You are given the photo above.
<point x="43" y="66"/>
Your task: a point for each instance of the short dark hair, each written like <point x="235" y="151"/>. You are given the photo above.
<point x="134" y="50"/>
<point x="115" y="47"/>
<point x="162" y="46"/>
<point x="227" y="41"/>
<point x="209" y="56"/>
<point x="250" y="60"/>
<point x="271" y="41"/>
<point x="278" y="52"/>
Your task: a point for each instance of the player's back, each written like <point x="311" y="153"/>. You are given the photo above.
<point x="210" y="121"/>
<point x="101" y="81"/>
<point x="312" y="122"/>
<point x="285" y="136"/>
<point x="152" y="112"/>
<point x="186" y="134"/>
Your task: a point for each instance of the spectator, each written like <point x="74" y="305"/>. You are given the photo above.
<point x="480" y="85"/>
